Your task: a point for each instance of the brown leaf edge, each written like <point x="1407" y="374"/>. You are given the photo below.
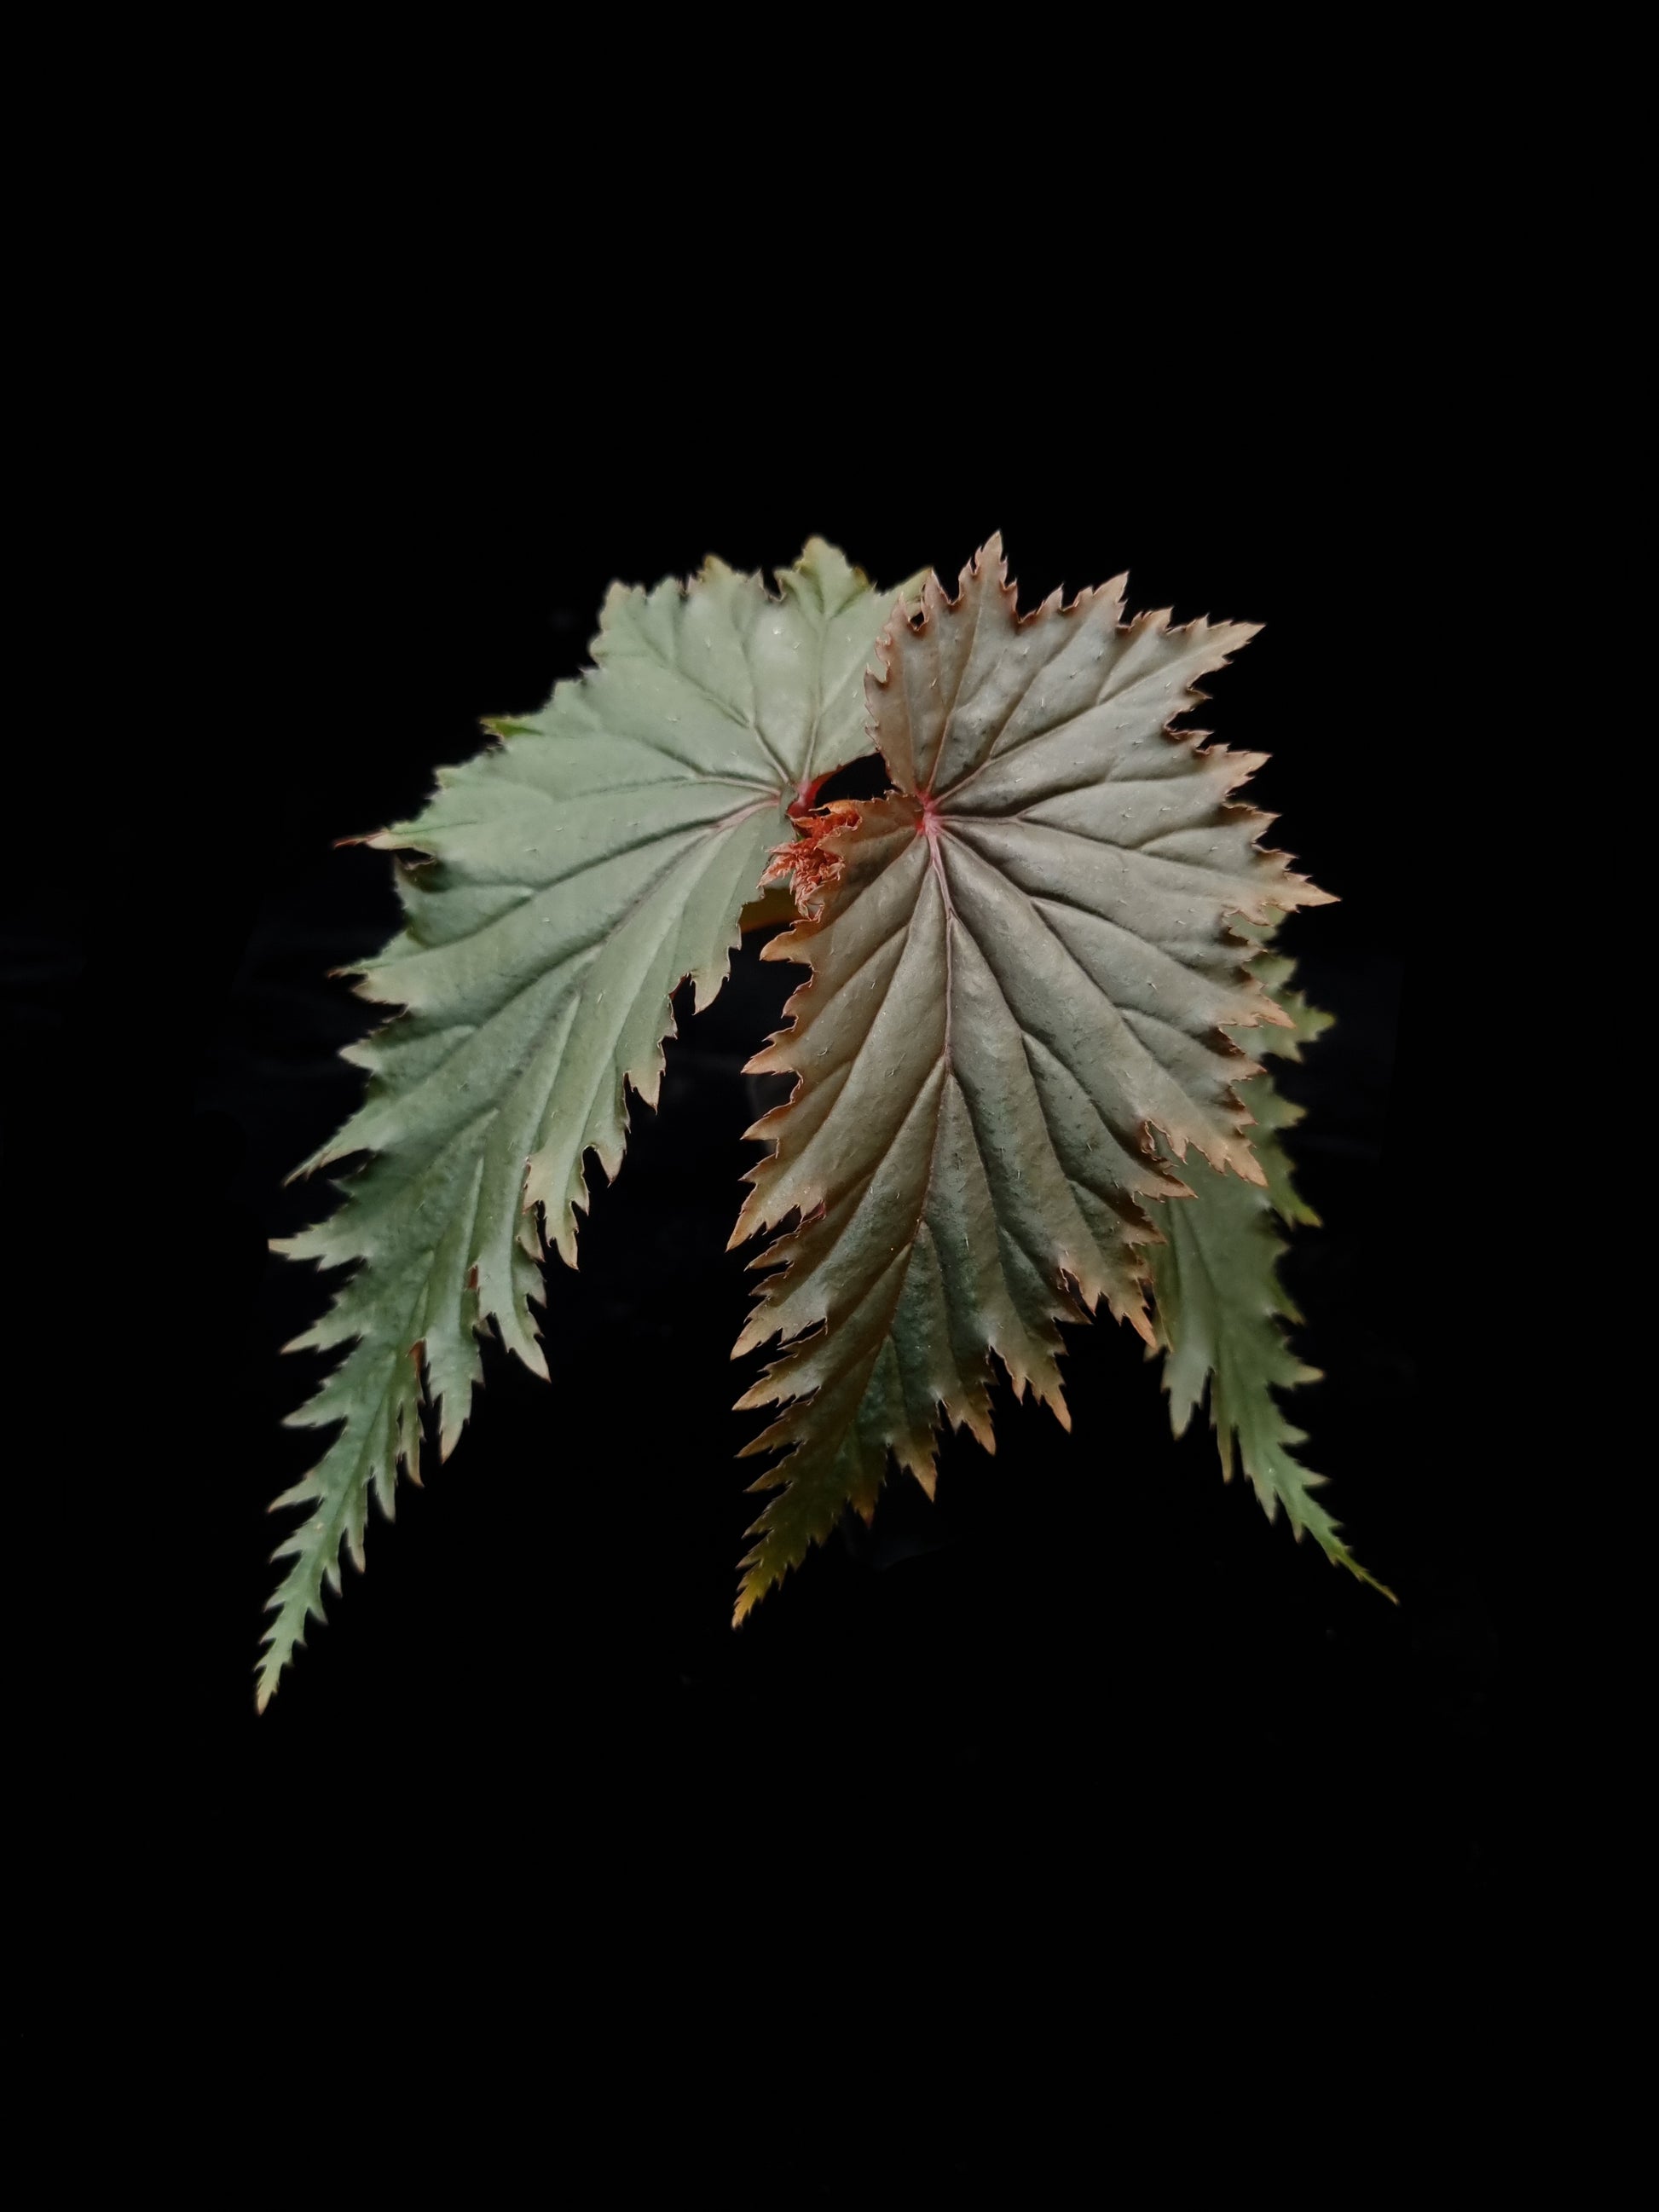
<point x="815" y="859"/>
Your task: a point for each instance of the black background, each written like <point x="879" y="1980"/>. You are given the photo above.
<point x="1088" y="1648"/>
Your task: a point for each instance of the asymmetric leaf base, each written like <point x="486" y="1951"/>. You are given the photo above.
<point x="1037" y="968"/>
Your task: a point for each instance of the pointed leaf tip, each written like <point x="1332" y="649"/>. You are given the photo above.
<point x="1221" y="1307"/>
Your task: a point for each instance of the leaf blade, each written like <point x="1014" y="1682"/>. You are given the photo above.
<point x="966" y="1157"/>
<point x="1221" y="1310"/>
<point x="565" y="881"/>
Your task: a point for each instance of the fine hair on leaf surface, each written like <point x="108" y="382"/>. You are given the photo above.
<point x="1026" y="1060"/>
